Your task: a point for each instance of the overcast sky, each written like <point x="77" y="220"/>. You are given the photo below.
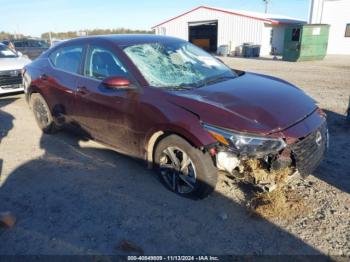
<point x="33" y="17"/>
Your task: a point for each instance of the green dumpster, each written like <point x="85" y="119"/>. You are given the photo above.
<point x="305" y="42"/>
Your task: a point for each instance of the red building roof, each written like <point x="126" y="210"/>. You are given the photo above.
<point x="268" y="18"/>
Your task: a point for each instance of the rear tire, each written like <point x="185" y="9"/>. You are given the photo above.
<point x="42" y="114"/>
<point x="185" y="169"/>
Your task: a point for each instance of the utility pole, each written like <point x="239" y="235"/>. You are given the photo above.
<point x="266" y="5"/>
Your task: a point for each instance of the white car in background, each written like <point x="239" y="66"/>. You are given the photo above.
<point x="11" y="70"/>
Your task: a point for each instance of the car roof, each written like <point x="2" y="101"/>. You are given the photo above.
<point x="129" y="39"/>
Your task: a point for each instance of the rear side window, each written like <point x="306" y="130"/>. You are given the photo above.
<point x="67" y="58"/>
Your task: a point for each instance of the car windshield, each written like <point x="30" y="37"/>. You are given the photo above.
<point x="6" y="52"/>
<point x="179" y="65"/>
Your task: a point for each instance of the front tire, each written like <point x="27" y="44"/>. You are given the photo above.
<point x="42" y="114"/>
<point x="185" y="169"/>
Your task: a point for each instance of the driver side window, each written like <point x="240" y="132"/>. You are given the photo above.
<point x="102" y="63"/>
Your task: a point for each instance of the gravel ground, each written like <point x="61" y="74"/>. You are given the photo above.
<point x="72" y="196"/>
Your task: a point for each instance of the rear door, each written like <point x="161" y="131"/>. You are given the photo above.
<point x="107" y="114"/>
<point x="61" y="80"/>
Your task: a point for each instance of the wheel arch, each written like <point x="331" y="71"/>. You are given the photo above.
<point x="32" y="90"/>
<point x="159" y="134"/>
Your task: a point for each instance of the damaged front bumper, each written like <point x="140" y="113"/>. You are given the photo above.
<point x="264" y="174"/>
<point x="299" y="157"/>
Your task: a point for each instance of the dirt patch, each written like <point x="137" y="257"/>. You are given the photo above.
<point x="282" y="203"/>
<point x="255" y="172"/>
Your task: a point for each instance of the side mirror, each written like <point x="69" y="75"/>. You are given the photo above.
<point x="117" y="82"/>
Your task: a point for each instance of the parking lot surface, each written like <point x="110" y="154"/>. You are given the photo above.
<point x="73" y="196"/>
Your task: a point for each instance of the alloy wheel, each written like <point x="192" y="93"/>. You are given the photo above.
<point x="177" y="170"/>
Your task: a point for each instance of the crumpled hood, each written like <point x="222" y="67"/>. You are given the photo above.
<point x="250" y="103"/>
<point x="13" y="63"/>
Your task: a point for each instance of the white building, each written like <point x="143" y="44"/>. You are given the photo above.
<point x="336" y="13"/>
<point x="211" y="28"/>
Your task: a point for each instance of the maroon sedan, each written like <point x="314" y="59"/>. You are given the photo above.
<point x="165" y="101"/>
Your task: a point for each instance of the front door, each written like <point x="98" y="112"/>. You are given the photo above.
<point x="108" y="114"/>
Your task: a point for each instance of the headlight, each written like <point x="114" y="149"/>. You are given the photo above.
<point x="246" y="145"/>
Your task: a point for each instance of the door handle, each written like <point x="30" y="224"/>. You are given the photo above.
<point x="44" y="77"/>
<point x="82" y="90"/>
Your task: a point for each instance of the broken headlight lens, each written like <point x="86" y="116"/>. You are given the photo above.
<point x="246" y="145"/>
